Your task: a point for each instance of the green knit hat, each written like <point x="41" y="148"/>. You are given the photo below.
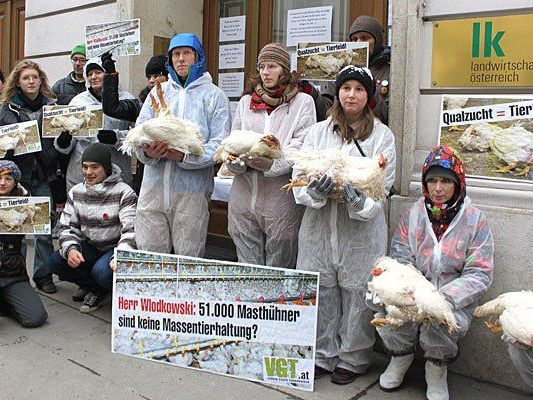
<point x="78" y="49"/>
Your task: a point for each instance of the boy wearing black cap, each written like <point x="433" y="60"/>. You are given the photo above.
<point x="99" y="216"/>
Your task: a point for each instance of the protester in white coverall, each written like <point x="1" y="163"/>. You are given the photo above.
<point x="113" y="133"/>
<point x="263" y="219"/>
<point x="341" y="240"/>
<point x="173" y="203"/>
<point x="522" y="358"/>
<point x="449" y="241"/>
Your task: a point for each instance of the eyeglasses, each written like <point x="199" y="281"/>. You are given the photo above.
<point x="78" y="60"/>
<point x="268" y="67"/>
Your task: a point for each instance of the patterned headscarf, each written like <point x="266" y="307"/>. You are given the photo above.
<point x="441" y="215"/>
<point x="8" y="167"/>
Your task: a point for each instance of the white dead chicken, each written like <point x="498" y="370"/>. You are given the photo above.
<point x="514" y="146"/>
<point x="12" y="219"/>
<point x="408" y="296"/>
<point x="11" y="141"/>
<point x="455" y="102"/>
<point x="329" y="64"/>
<point x="180" y="134"/>
<point x="73" y="122"/>
<point x="477" y="136"/>
<point x="366" y="174"/>
<point x="29" y="210"/>
<point x="248" y="143"/>
<point x="514" y="311"/>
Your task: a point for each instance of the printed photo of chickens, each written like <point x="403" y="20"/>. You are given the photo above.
<point x="23" y="138"/>
<point x="228" y="288"/>
<point x="323" y="61"/>
<point x="500" y="148"/>
<point x="78" y="120"/>
<point x="25" y="216"/>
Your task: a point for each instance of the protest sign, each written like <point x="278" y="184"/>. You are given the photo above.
<point x="78" y="120"/>
<point x="25" y="215"/>
<point x="245" y="321"/>
<point x="123" y="38"/>
<point x="492" y="133"/>
<point x="311" y="24"/>
<point x="22" y="137"/>
<point x="323" y="61"/>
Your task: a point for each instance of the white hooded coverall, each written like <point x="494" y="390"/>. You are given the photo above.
<point x="263" y="219"/>
<point x="342" y="244"/>
<point x="173" y="203"/>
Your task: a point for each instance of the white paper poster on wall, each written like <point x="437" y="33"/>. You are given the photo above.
<point x="232" y="83"/>
<point x="232" y="28"/>
<point x="231" y="56"/>
<point x="309" y="25"/>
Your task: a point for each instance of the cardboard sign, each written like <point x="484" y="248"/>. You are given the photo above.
<point x="122" y="38"/>
<point x="25" y="215"/>
<point x="245" y="321"/>
<point x="492" y="133"/>
<point x="22" y="137"/>
<point x="78" y="120"/>
<point x="323" y="61"/>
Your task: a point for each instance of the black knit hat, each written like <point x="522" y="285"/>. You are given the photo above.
<point x="437" y="170"/>
<point x="98" y="153"/>
<point x="359" y="74"/>
<point x="366" y="23"/>
<point x="156" y="66"/>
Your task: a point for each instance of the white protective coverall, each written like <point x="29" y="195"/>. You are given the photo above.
<point x="460" y="265"/>
<point x="264" y="220"/>
<point x="173" y="203"/>
<point x="522" y="359"/>
<point x="79" y="144"/>
<point x="342" y="245"/>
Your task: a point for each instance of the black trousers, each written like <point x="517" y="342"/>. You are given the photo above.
<point x="20" y="301"/>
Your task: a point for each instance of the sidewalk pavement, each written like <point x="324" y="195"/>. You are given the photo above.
<point x="70" y="358"/>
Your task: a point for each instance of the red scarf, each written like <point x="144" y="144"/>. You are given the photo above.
<point x="267" y="100"/>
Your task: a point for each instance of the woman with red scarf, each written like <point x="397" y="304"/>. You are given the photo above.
<point x="264" y="220"/>
<point x="450" y="242"/>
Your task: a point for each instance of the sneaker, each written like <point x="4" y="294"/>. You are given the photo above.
<point x="92" y="302"/>
<point x="46" y="287"/>
<point x="79" y="294"/>
<point x="392" y="378"/>
<point x="342" y="376"/>
<point x="321" y="372"/>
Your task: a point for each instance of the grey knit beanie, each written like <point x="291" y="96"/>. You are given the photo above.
<point x="366" y="23"/>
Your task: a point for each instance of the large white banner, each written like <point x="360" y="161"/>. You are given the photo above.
<point x="246" y="321"/>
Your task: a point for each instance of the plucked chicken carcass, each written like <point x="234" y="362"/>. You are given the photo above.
<point x="182" y="135"/>
<point x="11" y="141"/>
<point x="248" y="143"/>
<point x="72" y="123"/>
<point x="329" y="64"/>
<point x="366" y="174"/>
<point x="408" y="296"/>
<point x="477" y="136"/>
<point x="515" y="315"/>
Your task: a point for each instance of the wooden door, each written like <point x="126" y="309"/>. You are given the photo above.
<point x="12" y="25"/>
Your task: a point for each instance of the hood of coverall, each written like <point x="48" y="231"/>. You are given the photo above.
<point x="197" y="69"/>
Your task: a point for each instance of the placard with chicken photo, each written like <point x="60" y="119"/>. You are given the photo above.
<point x="492" y="133"/>
<point x="25" y="216"/>
<point x="23" y="138"/>
<point x="323" y="61"/>
<point x="239" y="320"/>
<point x="123" y="38"/>
<point x="78" y="120"/>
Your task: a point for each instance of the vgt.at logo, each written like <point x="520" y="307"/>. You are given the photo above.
<point x="489" y="42"/>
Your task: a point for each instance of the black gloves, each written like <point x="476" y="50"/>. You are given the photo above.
<point x="108" y="63"/>
<point x="107" y="136"/>
<point x="10" y="154"/>
<point x="64" y="139"/>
